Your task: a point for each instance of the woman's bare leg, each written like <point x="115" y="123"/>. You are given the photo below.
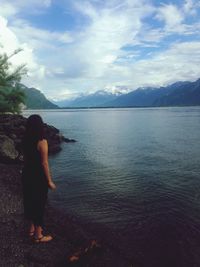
<point x="38" y="231"/>
<point x="31" y="229"/>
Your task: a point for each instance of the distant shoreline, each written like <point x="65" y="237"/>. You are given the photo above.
<point x="129" y="107"/>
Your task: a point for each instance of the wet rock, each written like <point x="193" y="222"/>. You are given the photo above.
<point x="67" y="140"/>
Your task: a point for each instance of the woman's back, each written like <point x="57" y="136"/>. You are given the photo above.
<point x="33" y="170"/>
<point x="32" y="156"/>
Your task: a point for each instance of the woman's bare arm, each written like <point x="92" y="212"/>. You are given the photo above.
<point x="43" y="149"/>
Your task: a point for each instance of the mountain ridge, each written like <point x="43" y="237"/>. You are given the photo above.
<point x="35" y="99"/>
<point x="181" y="93"/>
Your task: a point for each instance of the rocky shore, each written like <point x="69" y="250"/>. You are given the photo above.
<point x="73" y="245"/>
<point x="12" y="128"/>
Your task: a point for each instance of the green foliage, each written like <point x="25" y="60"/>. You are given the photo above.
<point x="11" y="96"/>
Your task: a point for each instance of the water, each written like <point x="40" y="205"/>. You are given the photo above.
<point x="135" y="172"/>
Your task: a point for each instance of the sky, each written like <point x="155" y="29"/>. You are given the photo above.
<point x="73" y="47"/>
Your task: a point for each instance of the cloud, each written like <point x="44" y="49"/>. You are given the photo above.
<point x="171" y="15"/>
<point x="119" y="45"/>
<point x="86" y="58"/>
<point x="8" y="39"/>
<point x="111" y="28"/>
<point x="174" y="17"/>
<point x="178" y="63"/>
<point x="190" y="7"/>
<point x="39" y="38"/>
<point x="9" y="43"/>
<point x="10" y="7"/>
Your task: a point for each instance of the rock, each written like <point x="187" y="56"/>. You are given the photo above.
<point x="57" y="138"/>
<point x="13" y="127"/>
<point x="49" y="129"/>
<point x="54" y="148"/>
<point x="67" y="140"/>
<point x="8" y="153"/>
<point x="13" y="136"/>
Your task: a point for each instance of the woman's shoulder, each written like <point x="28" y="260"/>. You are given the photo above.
<point x="42" y="143"/>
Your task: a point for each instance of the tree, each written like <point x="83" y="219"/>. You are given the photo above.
<point x="11" y="96"/>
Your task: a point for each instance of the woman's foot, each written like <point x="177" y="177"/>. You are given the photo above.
<point x="31" y="234"/>
<point x="43" y="239"/>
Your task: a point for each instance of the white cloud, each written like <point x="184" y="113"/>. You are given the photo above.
<point x="7" y="38"/>
<point x="171" y="15"/>
<point x="106" y="52"/>
<point x="174" y="17"/>
<point x="190" y="7"/>
<point x="87" y="59"/>
<point x="152" y="36"/>
<point x="178" y="63"/>
<point x="39" y="38"/>
<point x="9" y="43"/>
<point x="110" y="30"/>
<point x="10" y="7"/>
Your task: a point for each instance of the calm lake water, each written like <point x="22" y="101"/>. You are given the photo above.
<point x="136" y="173"/>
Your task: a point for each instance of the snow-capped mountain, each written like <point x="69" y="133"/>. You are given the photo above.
<point x="97" y="99"/>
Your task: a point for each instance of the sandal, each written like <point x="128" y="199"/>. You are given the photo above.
<point x="31" y="233"/>
<point x="43" y="239"/>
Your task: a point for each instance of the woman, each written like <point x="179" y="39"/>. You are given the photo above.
<point x="36" y="178"/>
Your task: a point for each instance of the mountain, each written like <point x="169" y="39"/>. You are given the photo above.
<point x="35" y="99"/>
<point x="184" y="94"/>
<point x="177" y="94"/>
<point x="140" y="97"/>
<point x="145" y="96"/>
<point x="96" y="99"/>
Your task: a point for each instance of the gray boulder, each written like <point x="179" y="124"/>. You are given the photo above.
<point x="8" y="153"/>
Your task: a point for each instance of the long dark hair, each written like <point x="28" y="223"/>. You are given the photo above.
<point x="34" y="131"/>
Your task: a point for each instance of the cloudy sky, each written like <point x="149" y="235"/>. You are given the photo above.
<point x="79" y="46"/>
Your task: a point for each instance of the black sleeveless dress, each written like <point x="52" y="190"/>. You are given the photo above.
<point x="35" y="187"/>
